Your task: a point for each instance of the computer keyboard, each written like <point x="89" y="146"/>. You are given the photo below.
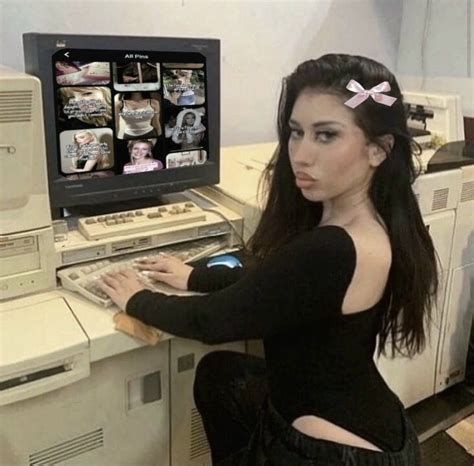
<point x="83" y="277"/>
<point x="136" y="221"/>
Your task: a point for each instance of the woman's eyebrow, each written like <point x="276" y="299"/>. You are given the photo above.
<point x="319" y="123"/>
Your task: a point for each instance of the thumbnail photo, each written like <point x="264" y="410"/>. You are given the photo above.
<point x="71" y="73"/>
<point x="136" y="76"/>
<point x="186" y="130"/>
<point x="184" y="86"/>
<point x="86" y="150"/>
<point x="141" y="156"/>
<point x="184" y="159"/>
<point x="80" y="106"/>
<point x="137" y="115"/>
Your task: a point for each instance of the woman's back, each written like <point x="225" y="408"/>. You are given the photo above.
<point x="373" y="260"/>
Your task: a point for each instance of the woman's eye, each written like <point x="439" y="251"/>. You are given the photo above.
<point x="326" y="135"/>
<point x="295" y="133"/>
<point x="323" y="136"/>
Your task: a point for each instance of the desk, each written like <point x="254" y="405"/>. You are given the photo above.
<point x="134" y="407"/>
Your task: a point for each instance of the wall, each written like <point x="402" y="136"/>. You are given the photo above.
<point x="436" y="48"/>
<point x="261" y="41"/>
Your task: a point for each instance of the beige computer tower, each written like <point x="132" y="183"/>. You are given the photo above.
<point x="26" y="234"/>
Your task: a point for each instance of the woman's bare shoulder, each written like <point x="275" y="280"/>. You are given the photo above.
<point x="373" y="263"/>
<point x="372" y="242"/>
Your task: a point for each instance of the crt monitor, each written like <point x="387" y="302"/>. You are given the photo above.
<point x="126" y="117"/>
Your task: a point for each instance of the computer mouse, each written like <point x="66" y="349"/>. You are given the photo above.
<point x="225" y="259"/>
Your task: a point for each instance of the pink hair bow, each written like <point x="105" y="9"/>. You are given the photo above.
<point x="375" y="93"/>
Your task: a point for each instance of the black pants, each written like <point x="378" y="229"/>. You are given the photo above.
<point x="244" y="429"/>
<point x="470" y="359"/>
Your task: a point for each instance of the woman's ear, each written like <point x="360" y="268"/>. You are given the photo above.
<point x="379" y="152"/>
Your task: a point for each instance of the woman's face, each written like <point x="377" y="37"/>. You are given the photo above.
<point x="189" y="119"/>
<point x="140" y="150"/>
<point x="87" y="100"/>
<point x="328" y="152"/>
<point x="83" y="138"/>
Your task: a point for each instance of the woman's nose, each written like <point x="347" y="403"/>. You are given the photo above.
<point x="302" y="152"/>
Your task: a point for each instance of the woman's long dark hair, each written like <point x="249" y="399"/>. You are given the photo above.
<point x="413" y="278"/>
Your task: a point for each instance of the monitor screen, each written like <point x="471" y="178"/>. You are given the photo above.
<point x="126" y="117"/>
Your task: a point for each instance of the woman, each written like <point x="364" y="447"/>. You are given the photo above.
<point x="90" y="155"/>
<point x="137" y="116"/>
<point x="140" y="154"/>
<point x="90" y="105"/>
<point x="340" y="241"/>
<point x="188" y="131"/>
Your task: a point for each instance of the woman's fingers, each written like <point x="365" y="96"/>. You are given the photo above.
<point x="109" y="285"/>
<point x="111" y="280"/>
<point x="165" y="268"/>
<point x="104" y="285"/>
<point x="159" y="276"/>
<point x="115" y="280"/>
<point x="163" y="256"/>
<point x="151" y="266"/>
<point x="128" y="274"/>
<point x="120" y="286"/>
<point x="162" y="263"/>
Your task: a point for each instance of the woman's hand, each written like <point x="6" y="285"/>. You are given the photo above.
<point x="121" y="286"/>
<point x="167" y="269"/>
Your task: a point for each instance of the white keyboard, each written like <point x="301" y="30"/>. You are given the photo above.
<point x="82" y="278"/>
<point x="136" y="221"/>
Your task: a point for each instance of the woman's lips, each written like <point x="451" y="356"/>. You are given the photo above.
<point x="304" y="181"/>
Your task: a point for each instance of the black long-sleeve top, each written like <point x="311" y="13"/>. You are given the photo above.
<point x="319" y="360"/>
